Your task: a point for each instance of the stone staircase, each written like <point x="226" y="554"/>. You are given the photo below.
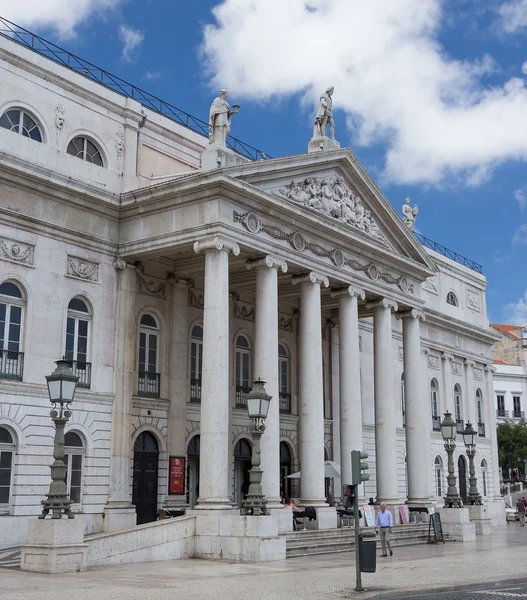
<point x="304" y="543"/>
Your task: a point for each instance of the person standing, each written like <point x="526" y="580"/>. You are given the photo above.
<point x="520" y="507"/>
<point x="384" y="524"/>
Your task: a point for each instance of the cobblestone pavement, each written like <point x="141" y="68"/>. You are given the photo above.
<point x="500" y="592"/>
<point x="420" y="568"/>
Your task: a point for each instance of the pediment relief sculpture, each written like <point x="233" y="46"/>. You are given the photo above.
<point x="330" y="196"/>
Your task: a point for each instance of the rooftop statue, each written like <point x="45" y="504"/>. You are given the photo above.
<point x="409" y="214"/>
<point x="220" y="119"/>
<point x="324" y="116"/>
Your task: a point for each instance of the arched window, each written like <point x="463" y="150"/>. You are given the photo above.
<point x="73" y="459"/>
<point x="438" y="465"/>
<point x="458" y="407"/>
<point x="196" y="363"/>
<point x="7" y="452"/>
<point x="403" y="401"/>
<point x="479" y="408"/>
<point x="243" y="370"/>
<point x="484" y="476"/>
<point x="85" y="149"/>
<point x="434" y="402"/>
<point x="11" y="309"/>
<point x="77" y="336"/>
<point x="21" y="122"/>
<point x="451" y="299"/>
<point x="149" y="377"/>
<point x="283" y="378"/>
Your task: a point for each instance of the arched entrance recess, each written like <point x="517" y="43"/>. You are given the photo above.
<point x="146" y="461"/>
<point x="462" y="471"/>
<point x="242" y="466"/>
<point x="193" y="471"/>
<point x="285" y="469"/>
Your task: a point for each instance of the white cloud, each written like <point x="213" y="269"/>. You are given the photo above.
<point x="152" y="75"/>
<point x="517" y="311"/>
<point x="521" y="195"/>
<point x="60" y="15"/>
<point x="131" y="39"/>
<point x="524" y="68"/>
<point x="520" y="236"/>
<point x="513" y="15"/>
<point x="395" y="82"/>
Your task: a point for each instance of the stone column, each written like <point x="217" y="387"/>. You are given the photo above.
<point x="469" y="398"/>
<point x="335" y="406"/>
<point x="446" y="399"/>
<point x="385" y="398"/>
<point x="119" y="512"/>
<point x="490" y="432"/>
<point x="266" y="368"/>
<point x="179" y="386"/>
<point x="349" y="378"/>
<point x="417" y="419"/>
<point x="311" y="401"/>
<point x="214" y="451"/>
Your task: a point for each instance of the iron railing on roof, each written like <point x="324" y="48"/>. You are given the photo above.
<point x="462" y="260"/>
<point x="71" y="61"/>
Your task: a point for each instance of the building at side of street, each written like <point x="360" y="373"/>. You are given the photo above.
<point x="173" y="273"/>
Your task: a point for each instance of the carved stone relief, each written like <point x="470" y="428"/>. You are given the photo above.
<point x="17" y="251"/>
<point x="119" y="144"/>
<point x="255" y="225"/>
<point x="474" y="300"/>
<point x="285" y="322"/>
<point x="330" y="196"/>
<point x="478" y="374"/>
<point x="196" y="298"/>
<point x="59" y="121"/>
<point x="456" y="368"/>
<point x="401" y="353"/>
<point x="433" y="361"/>
<point x="82" y="269"/>
<point x="242" y="310"/>
<point x="430" y="285"/>
<point x="149" y="286"/>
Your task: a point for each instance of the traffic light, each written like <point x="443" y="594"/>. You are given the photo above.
<point x="348" y="496"/>
<point x="357" y="466"/>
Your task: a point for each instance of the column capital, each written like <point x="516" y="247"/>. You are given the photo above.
<point x="447" y="356"/>
<point x="119" y="263"/>
<point x="175" y="279"/>
<point x="311" y="277"/>
<point x="413" y="313"/>
<point x="383" y="303"/>
<point x="217" y="243"/>
<point x="490" y="369"/>
<point x="469" y="363"/>
<point x="347" y="291"/>
<point x="269" y="261"/>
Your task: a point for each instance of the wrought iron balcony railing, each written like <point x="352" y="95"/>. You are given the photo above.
<point x="195" y="391"/>
<point x="503" y="414"/>
<point x="241" y="396"/>
<point x="460" y="425"/>
<point x="436" y="422"/>
<point x="83" y="371"/>
<point x="285" y="403"/>
<point x="11" y="365"/>
<point x="148" y="384"/>
<point x="462" y="260"/>
<point x="481" y="429"/>
<point x="518" y="414"/>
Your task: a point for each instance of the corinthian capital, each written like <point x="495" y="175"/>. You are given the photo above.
<point x="348" y="291"/>
<point x="217" y="243"/>
<point x="311" y="277"/>
<point x="271" y="262"/>
<point x="383" y="303"/>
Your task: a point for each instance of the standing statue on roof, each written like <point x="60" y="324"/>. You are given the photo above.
<point x="220" y="119"/>
<point x="409" y="214"/>
<point x="324" y="116"/>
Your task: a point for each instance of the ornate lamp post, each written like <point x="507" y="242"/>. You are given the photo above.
<point x="257" y="406"/>
<point x="448" y="431"/>
<point x="469" y="437"/>
<point x="61" y="389"/>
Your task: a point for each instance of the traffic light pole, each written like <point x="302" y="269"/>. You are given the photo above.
<point x="358" y="583"/>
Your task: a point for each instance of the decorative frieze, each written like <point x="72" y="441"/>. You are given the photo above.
<point x="474" y="300"/>
<point x="17" y="252"/>
<point x="149" y="286"/>
<point x="119" y="144"/>
<point x="285" y="322"/>
<point x="478" y="374"/>
<point x="255" y="225"/>
<point x="242" y="310"/>
<point x="196" y="298"/>
<point x="433" y="362"/>
<point x="457" y="369"/>
<point x="430" y="285"/>
<point x="82" y="269"/>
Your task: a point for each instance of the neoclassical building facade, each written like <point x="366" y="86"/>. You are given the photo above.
<point x="172" y="282"/>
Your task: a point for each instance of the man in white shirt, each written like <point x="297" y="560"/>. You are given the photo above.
<point x="384" y="524"/>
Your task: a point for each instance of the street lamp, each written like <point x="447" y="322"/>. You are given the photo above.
<point x="469" y="437"/>
<point x="258" y="401"/>
<point x="448" y="431"/>
<point x="61" y="388"/>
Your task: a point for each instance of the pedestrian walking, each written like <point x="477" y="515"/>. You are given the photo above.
<point x="520" y="507"/>
<point x="384" y="524"/>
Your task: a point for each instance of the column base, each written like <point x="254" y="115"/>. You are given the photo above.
<point x="174" y="502"/>
<point x="213" y="505"/>
<point x="456" y="522"/>
<point x="119" y="515"/>
<point x="326" y="518"/>
<point x="55" y="546"/>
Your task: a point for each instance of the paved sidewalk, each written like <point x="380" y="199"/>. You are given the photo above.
<point x="325" y="577"/>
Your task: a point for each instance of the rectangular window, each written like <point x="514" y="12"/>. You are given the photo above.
<point x="73" y="482"/>
<point x="501" y="403"/>
<point x="6" y="460"/>
<point x="516" y="402"/>
<point x="196" y="360"/>
<point x="439" y="491"/>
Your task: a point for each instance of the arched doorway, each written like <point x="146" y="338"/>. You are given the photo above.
<point x="462" y="471"/>
<point x="144" y="494"/>
<point x="193" y="471"/>
<point x="242" y="466"/>
<point x="285" y="469"/>
<point x="327" y="480"/>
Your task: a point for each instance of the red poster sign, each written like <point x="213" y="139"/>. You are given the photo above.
<point x="176" y="473"/>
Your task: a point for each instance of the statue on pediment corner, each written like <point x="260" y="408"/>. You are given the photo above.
<point x="409" y="214"/>
<point x="220" y="119"/>
<point x="324" y="116"/>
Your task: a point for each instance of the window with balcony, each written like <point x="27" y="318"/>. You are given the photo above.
<point x="451" y="299"/>
<point x="403" y="401"/>
<point x="77" y="337"/>
<point x="283" y="378"/>
<point x="479" y="408"/>
<point x="500" y="402"/>
<point x="73" y="459"/>
<point x="458" y="407"/>
<point x="196" y="363"/>
<point x="19" y="121"/>
<point x="243" y="370"/>
<point x="517" y="407"/>
<point x="83" y="148"/>
<point x="7" y="453"/>
<point x="149" y="378"/>
<point x="11" y="312"/>
<point x="434" y="402"/>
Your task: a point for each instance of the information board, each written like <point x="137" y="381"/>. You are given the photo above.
<point x="435" y="530"/>
<point x="176" y="470"/>
<point x="403" y="512"/>
<point x="369" y="515"/>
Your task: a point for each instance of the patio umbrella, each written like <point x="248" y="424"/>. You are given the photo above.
<point x="331" y="469"/>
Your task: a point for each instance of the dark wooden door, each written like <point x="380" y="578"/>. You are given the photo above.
<point x="144" y="492"/>
<point x="462" y="470"/>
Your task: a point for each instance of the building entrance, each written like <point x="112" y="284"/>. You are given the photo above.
<point x="242" y="466"/>
<point x="462" y="470"/>
<point x="285" y="469"/>
<point x="193" y="471"/>
<point x="144" y="494"/>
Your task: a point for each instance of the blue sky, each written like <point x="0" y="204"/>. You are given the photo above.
<point x="430" y="95"/>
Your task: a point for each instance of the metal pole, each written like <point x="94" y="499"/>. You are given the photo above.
<point x="255" y="501"/>
<point x="358" y="586"/>
<point x="452" y="498"/>
<point x="473" y="494"/>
